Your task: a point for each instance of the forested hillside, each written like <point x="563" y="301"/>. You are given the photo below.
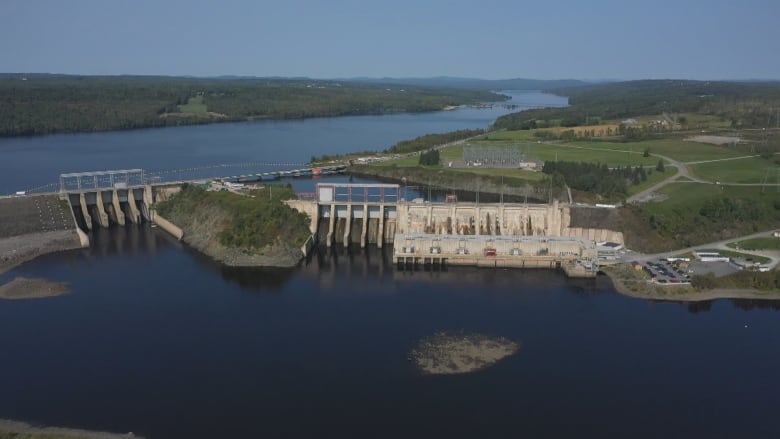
<point x="42" y="104"/>
<point x="745" y="105"/>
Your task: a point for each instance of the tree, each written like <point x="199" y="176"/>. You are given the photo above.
<point x="429" y="158"/>
<point x="660" y="166"/>
<point x="646" y="153"/>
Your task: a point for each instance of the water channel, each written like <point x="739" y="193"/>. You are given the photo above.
<point x="158" y="340"/>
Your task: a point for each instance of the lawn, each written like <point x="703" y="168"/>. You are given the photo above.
<point x="748" y="170"/>
<point x="655" y="177"/>
<point x="686" y="199"/>
<point x="757" y="244"/>
<point x="684" y="151"/>
<point x="194" y="105"/>
<point x="588" y="152"/>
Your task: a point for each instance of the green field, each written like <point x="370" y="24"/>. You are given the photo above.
<point x="655" y="177"/>
<point x="757" y="244"/>
<point x="748" y="170"/>
<point x="692" y="195"/>
<point x="587" y="152"/>
<point x="194" y="105"/>
<point x="684" y="151"/>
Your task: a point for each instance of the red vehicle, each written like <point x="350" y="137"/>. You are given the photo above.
<point x="489" y="251"/>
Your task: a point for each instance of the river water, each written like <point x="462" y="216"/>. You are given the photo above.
<point x="158" y="340"/>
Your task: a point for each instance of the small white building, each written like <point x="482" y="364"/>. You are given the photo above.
<point x="710" y="256"/>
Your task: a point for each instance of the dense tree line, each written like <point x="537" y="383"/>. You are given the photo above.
<point x="747" y="105"/>
<point x="596" y="178"/>
<point x="432" y="140"/>
<point x="746" y="279"/>
<point x="42" y="104"/>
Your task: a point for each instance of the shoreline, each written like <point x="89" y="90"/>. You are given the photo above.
<point x="16" y="250"/>
<point x="687" y="295"/>
<point x="26" y="430"/>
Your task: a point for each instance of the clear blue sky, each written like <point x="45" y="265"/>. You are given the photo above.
<point x="493" y="39"/>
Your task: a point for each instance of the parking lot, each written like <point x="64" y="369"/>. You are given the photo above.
<point x="662" y="271"/>
<point x="665" y="272"/>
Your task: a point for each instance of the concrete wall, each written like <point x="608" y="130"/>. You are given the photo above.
<point x="466" y="219"/>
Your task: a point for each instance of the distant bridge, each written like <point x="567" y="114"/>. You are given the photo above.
<point x="134" y="178"/>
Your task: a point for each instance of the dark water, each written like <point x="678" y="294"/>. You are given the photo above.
<point x="158" y="340"/>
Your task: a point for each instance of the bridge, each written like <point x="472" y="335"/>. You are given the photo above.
<point x="233" y="172"/>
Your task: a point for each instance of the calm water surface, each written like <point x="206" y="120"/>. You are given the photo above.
<point x="158" y="340"/>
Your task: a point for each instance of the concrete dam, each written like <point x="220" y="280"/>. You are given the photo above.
<point x="505" y="234"/>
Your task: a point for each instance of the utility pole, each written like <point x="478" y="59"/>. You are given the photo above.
<point x="502" y="189"/>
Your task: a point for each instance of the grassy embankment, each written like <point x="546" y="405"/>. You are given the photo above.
<point x="696" y="213"/>
<point x="757" y="244"/>
<point x="744" y="284"/>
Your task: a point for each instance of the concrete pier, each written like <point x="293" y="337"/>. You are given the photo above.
<point x="331" y="225"/>
<point x="380" y="239"/>
<point x="101" y="210"/>
<point x="348" y="225"/>
<point x="146" y="205"/>
<point x="119" y="215"/>
<point x="85" y="211"/>
<point x="133" y="213"/>
<point x="364" y="229"/>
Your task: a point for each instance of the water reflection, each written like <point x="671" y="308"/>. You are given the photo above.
<point x="751" y="304"/>
<point x="261" y="280"/>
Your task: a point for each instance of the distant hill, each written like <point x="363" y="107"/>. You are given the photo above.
<point x="32" y="103"/>
<point x="745" y="104"/>
<point x="476" y="84"/>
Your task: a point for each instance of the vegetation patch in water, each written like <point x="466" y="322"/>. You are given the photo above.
<point x="449" y="353"/>
<point x="26" y="288"/>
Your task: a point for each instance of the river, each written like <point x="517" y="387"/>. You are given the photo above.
<point x="158" y="340"/>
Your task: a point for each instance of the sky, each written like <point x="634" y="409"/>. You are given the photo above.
<point x="491" y="39"/>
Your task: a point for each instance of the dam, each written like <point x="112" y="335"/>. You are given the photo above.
<point x="422" y="233"/>
<point x="426" y="233"/>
